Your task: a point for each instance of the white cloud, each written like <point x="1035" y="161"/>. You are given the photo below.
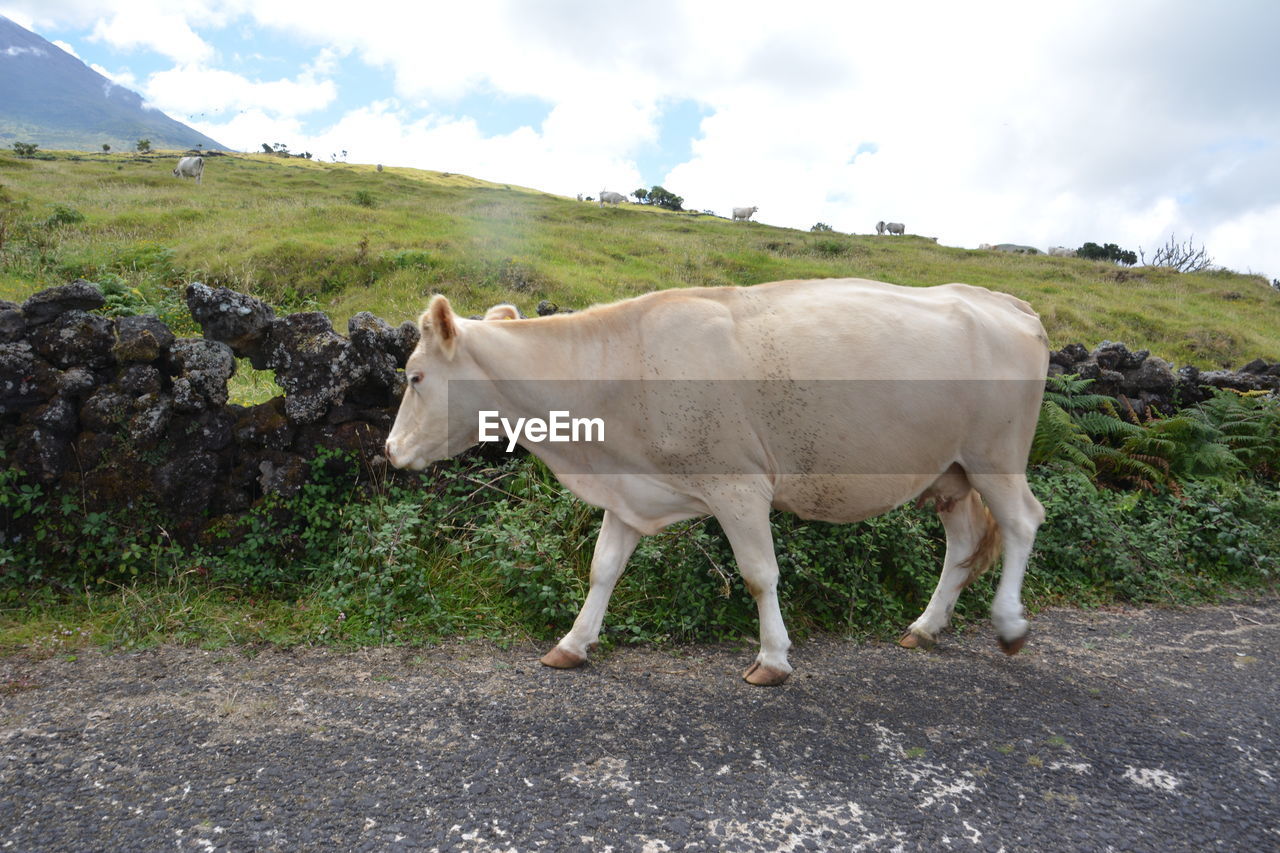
<point x="120" y="78"/>
<point x="142" y="24"/>
<point x="66" y="47"/>
<point x="381" y="133"/>
<point x="187" y="89"/>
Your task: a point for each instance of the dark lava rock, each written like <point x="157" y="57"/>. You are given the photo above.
<point x="80" y="295"/>
<point x="202" y="368"/>
<point x="26" y="379"/>
<point x="186" y="484"/>
<point x="236" y="319"/>
<point x="142" y="339"/>
<point x="13" y="323"/>
<point x="75" y="338"/>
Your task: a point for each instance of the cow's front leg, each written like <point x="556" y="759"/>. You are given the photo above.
<point x="613" y="548"/>
<point x="752" y="541"/>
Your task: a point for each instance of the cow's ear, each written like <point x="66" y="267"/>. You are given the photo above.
<point x="502" y="312"/>
<point x="439" y="322"/>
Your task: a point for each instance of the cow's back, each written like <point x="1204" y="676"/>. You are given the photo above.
<point x="837" y="329"/>
<point x="882" y="386"/>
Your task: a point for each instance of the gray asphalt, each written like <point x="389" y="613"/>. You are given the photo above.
<point x="1133" y="730"/>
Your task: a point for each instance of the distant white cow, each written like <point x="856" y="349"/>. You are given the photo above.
<point x="744" y="213"/>
<point x="895" y="228"/>
<point x="607" y="197"/>
<point x="1062" y="252"/>
<point x="190" y="167"/>
<point x="985" y="247"/>
<point x="880" y="227"/>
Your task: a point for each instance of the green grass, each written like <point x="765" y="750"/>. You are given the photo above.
<point x="344" y="238"/>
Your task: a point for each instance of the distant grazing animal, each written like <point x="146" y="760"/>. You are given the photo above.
<point x="190" y="167"/>
<point x="744" y="213"/>
<point x="579" y="196"/>
<point x="1062" y="252"/>
<point x="607" y="197"/>
<point x="895" y="228"/>
<point x="773" y="396"/>
<point x="1016" y="249"/>
<point x="880" y="227"/>
<point x="985" y="247"/>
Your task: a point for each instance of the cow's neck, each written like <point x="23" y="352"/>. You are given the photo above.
<point x="576" y="347"/>
<point x="564" y="365"/>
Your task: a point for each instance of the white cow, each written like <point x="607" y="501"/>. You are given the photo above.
<point x="860" y="396"/>
<point x="895" y="228"/>
<point x="880" y="227"/>
<point x="611" y="198"/>
<point x="1061" y="252"/>
<point x="190" y="167"/>
<point x="744" y="213"/>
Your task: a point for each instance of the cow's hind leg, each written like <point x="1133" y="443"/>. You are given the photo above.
<point x="751" y="538"/>
<point x="972" y="545"/>
<point x="613" y="548"/>
<point x="1019" y="515"/>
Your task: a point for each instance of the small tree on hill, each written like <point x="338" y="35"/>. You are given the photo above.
<point x="662" y="197"/>
<point x="641" y="194"/>
<point x="25" y="149"/>
<point x="144" y="146"/>
<point x="821" y="227"/>
<point x="1109" y="252"/>
<point x="106" y="148"/>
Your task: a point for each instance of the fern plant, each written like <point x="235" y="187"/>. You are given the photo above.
<point x="1084" y="432"/>
<point x="1223" y="438"/>
<point x="1249" y="423"/>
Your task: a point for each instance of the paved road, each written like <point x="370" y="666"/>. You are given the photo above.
<point x="1142" y="730"/>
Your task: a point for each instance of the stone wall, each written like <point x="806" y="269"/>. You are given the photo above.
<point x="117" y="410"/>
<point x="1151" y="385"/>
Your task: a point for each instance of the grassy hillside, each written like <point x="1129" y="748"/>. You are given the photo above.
<point x="346" y="238"/>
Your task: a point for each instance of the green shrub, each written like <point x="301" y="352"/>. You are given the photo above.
<point x="63" y="215"/>
<point x="405" y="259"/>
<point x="1133" y="546"/>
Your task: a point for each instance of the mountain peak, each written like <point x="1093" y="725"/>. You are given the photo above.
<point x="51" y="98"/>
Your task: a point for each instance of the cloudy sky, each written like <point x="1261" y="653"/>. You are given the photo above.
<point x="1047" y="124"/>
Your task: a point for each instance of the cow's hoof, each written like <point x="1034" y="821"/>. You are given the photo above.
<point x="764" y="676"/>
<point x="558" y="658"/>
<point x="914" y="640"/>
<point x="1012" y="647"/>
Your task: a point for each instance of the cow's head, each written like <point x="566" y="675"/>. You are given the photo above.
<point x="427" y="429"/>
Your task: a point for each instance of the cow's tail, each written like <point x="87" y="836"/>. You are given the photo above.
<point x="988" y="550"/>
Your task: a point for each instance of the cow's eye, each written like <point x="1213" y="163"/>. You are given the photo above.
<point x="415" y="378"/>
